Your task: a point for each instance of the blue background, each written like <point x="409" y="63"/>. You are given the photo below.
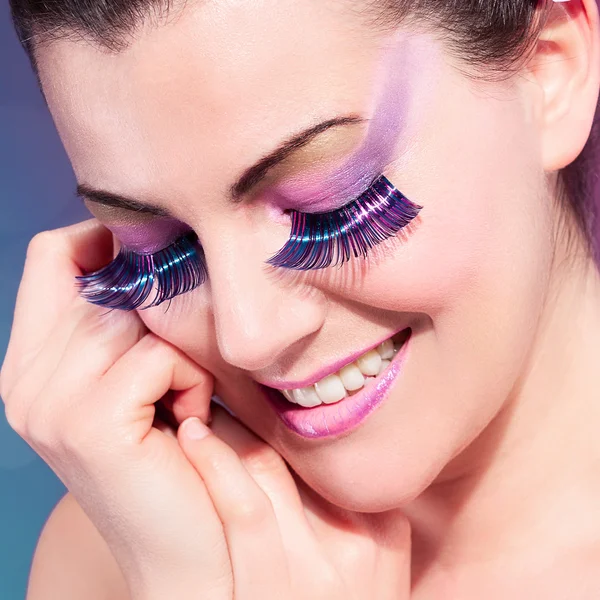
<point x="36" y="193"/>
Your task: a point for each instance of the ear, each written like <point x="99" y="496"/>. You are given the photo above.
<point x="565" y="66"/>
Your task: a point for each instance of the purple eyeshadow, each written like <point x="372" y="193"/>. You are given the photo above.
<point x="127" y="282"/>
<point x="165" y="254"/>
<point x="150" y="237"/>
<point x="386" y="127"/>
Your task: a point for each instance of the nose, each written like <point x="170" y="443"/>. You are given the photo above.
<point x="259" y="315"/>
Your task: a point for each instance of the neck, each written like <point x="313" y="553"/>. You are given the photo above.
<point x="507" y="495"/>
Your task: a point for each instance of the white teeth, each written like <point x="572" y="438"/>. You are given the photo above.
<point x="289" y="395"/>
<point x="352" y="378"/>
<point x="369" y="363"/>
<point x="386" y="350"/>
<point x="331" y="389"/>
<point x="348" y="381"/>
<point x="384" y="365"/>
<point x="307" y="397"/>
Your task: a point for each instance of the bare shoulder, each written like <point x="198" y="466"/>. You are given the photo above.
<point x="72" y="560"/>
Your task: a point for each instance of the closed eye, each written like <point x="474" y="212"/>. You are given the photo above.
<point x="127" y="282"/>
<point x="320" y="240"/>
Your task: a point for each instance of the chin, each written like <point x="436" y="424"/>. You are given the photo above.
<point x="368" y="482"/>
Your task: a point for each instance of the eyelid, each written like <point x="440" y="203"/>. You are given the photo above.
<point x="320" y="240"/>
<point x="332" y="191"/>
<point x="150" y="237"/>
<point x="345" y="198"/>
<point x="128" y="280"/>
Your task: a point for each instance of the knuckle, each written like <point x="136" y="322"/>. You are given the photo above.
<point x="4" y="383"/>
<point x="164" y="352"/>
<point x="15" y="416"/>
<point x="52" y="429"/>
<point x="41" y="243"/>
<point x="39" y="430"/>
<point x="248" y="510"/>
<point x="60" y="437"/>
<point x="16" y="405"/>
<point x="71" y="439"/>
<point x="215" y="461"/>
<point x="264" y="460"/>
<point x="251" y="513"/>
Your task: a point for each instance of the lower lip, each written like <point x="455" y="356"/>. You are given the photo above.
<point x="330" y="420"/>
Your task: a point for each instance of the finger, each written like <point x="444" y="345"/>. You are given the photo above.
<point x="83" y="344"/>
<point x="47" y="287"/>
<point x="260" y="568"/>
<point x="144" y="375"/>
<point x="272" y="474"/>
<point x="82" y="334"/>
<point x="92" y="344"/>
<point x="109" y="400"/>
<point x="184" y="404"/>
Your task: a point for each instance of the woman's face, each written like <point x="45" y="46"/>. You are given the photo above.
<point x="175" y="120"/>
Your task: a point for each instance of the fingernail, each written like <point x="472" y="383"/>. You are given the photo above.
<point x="195" y="429"/>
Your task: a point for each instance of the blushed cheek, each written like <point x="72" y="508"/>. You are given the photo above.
<point x="483" y="214"/>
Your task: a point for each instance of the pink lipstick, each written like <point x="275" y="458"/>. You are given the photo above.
<point x="332" y="420"/>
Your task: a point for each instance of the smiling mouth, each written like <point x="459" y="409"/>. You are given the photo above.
<point x="351" y="378"/>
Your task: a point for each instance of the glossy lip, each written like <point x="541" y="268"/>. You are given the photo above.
<point x="326" y="371"/>
<point x="332" y="420"/>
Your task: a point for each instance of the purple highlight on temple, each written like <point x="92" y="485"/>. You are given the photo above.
<point x="388" y="124"/>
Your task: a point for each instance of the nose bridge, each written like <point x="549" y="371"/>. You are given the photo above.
<point x="256" y="317"/>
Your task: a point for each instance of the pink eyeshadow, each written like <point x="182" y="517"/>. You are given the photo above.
<point x="400" y="69"/>
<point x="151" y="237"/>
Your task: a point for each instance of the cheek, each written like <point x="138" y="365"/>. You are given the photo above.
<point x="187" y="323"/>
<point x="472" y="277"/>
<point x="483" y="239"/>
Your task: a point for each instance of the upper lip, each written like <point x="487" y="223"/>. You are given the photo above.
<point x="279" y="384"/>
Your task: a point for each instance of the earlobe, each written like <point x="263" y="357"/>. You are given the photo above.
<point x="565" y="66"/>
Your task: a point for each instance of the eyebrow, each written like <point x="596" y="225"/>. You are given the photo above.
<point x="248" y="180"/>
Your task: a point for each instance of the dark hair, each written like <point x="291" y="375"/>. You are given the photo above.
<point x="493" y="38"/>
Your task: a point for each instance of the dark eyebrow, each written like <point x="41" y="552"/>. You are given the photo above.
<point x="257" y="173"/>
<point x="250" y="178"/>
<point x="85" y="192"/>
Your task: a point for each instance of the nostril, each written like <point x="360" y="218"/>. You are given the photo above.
<point x="253" y="354"/>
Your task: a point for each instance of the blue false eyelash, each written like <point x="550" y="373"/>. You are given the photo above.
<point x="317" y="241"/>
<point x="127" y="281"/>
<point x="320" y="240"/>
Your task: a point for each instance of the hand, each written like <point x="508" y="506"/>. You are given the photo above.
<point x="284" y="541"/>
<point x="220" y="517"/>
<point x="80" y="386"/>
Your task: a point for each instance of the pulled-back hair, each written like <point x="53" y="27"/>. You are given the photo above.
<point x="492" y="37"/>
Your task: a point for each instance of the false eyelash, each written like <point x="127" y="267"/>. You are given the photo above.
<point x="127" y="281"/>
<point x="320" y="240"/>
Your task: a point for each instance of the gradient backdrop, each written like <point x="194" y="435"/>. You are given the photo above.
<point x="36" y="193"/>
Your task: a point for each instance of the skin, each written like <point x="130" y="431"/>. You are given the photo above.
<point x="402" y="85"/>
<point x="490" y="435"/>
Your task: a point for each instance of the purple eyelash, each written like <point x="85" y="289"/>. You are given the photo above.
<point x="126" y="282"/>
<point x="320" y="240"/>
<point x="317" y="241"/>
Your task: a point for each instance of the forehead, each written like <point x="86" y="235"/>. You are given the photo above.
<point x="208" y="92"/>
